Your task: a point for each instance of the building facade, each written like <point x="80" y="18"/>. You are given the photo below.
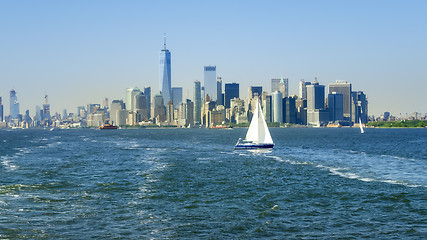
<point x="315" y="96"/>
<point x="14" y="105"/>
<point x="209" y="82"/>
<point x="303" y="89"/>
<point x="277" y="107"/>
<point x="266" y="107"/>
<point x="280" y="85"/>
<point x="116" y="106"/>
<point x="219" y="97"/>
<point x="1" y="110"/>
<point x="165" y="74"/>
<point x="147" y="93"/>
<point x="176" y="97"/>
<point x="335" y="107"/>
<point x="159" y="108"/>
<point x="359" y="107"/>
<point x="316" y="113"/>
<point x="197" y="98"/>
<point x="231" y="91"/>
<point x="254" y="91"/>
<point x="344" y="88"/>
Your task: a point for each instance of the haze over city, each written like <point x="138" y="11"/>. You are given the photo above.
<point x="82" y="52"/>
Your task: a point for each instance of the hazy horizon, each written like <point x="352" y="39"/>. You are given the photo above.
<point x="81" y="52"/>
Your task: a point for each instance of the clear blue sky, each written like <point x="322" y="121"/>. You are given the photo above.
<point x="80" y="52"/>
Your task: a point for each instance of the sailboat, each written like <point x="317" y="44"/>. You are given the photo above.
<point x="361" y="126"/>
<point x="258" y="135"/>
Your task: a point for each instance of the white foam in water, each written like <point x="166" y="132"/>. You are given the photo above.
<point x="289" y="161"/>
<point x="54" y="144"/>
<point x="361" y="166"/>
<point x="400" y="158"/>
<point x="9" y="165"/>
<point x="343" y="172"/>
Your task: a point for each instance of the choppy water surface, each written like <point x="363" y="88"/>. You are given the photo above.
<point x="190" y="183"/>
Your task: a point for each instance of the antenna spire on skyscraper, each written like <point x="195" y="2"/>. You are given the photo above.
<point x="164" y="38"/>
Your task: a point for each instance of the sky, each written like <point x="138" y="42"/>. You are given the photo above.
<point x="81" y="52"/>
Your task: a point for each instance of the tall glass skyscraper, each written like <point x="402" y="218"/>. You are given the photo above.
<point x="130" y="98"/>
<point x="176" y="97"/>
<point x="147" y="93"/>
<point x="277" y="106"/>
<point x="315" y="96"/>
<point x="197" y="102"/>
<point x="335" y="106"/>
<point x="1" y="111"/>
<point x="165" y="74"/>
<point x="231" y="91"/>
<point x="343" y="88"/>
<point x="219" y="98"/>
<point x="210" y="82"/>
<point x="14" y="105"/>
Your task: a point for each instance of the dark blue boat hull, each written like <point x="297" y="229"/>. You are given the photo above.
<point x="252" y="146"/>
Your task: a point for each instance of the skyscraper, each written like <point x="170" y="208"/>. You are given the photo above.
<point x="266" y="108"/>
<point x="46" y="109"/>
<point x="190" y="112"/>
<point x="14" y="105"/>
<point x="197" y="102"/>
<point x="165" y="74"/>
<point x="303" y="89"/>
<point x="343" y="88"/>
<point x="159" y="108"/>
<point x="115" y="116"/>
<point x="130" y="98"/>
<point x="316" y="113"/>
<point x="335" y="106"/>
<point x="64" y="114"/>
<point x="290" y="115"/>
<point x="169" y="112"/>
<point x="277" y="107"/>
<point x="147" y="93"/>
<point x="280" y="85"/>
<point x="219" y="98"/>
<point x="231" y="91"/>
<point x="39" y="113"/>
<point x="176" y="97"/>
<point x="210" y="82"/>
<point x="254" y="91"/>
<point x="1" y="111"/>
<point x="315" y="96"/>
<point x="359" y="108"/>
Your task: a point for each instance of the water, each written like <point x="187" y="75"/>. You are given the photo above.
<point x="191" y="184"/>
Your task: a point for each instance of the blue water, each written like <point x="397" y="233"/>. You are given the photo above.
<point x="191" y="184"/>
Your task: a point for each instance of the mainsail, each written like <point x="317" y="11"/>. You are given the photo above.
<point x="258" y="131"/>
<point x="361" y="126"/>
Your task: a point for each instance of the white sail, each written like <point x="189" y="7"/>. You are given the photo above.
<point x="258" y="131"/>
<point x="360" y="125"/>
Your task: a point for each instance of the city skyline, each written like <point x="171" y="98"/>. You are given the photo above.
<point x="376" y="46"/>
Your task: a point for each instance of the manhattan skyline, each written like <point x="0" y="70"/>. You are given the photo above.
<point x="82" y="52"/>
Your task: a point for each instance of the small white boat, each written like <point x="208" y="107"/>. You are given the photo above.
<point x="361" y="126"/>
<point x="258" y="135"/>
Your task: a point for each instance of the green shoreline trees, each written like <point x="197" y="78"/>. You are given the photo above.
<point x="400" y="124"/>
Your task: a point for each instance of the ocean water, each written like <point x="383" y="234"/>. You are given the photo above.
<point x="191" y="184"/>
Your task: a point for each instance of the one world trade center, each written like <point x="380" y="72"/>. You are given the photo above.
<point x="165" y="74"/>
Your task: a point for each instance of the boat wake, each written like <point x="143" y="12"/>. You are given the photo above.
<point x="361" y="166"/>
<point x="346" y="173"/>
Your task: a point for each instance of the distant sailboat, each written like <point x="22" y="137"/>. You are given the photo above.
<point x="258" y="135"/>
<point x="361" y="126"/>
